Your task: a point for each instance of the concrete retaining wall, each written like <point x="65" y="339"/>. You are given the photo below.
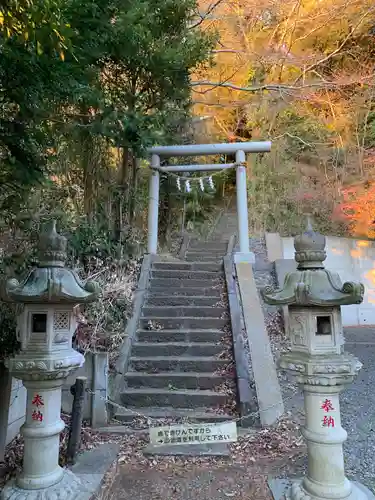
<point x="17" y="409"/>
<point x="354" y="260"/>
<point x="12" y="408"/>
<point x="96" y="371"/>
<point x="267" y="385"/>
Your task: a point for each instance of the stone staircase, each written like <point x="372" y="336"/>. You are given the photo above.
<point x="178" y="365"/>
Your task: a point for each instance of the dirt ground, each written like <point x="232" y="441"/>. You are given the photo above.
<point x="275" y="452"/>
<point x="215" y="481"/>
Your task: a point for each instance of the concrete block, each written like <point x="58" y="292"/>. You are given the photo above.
<point x="182" y="311"/>
<point x="274" y="245"/>
<point x="160" y="291"/>
<point x="67" y="399"/>
<point x="184" y="282"/>
<point x="248" y="258"/>
<point x="269" y="396"/>
<point x="179" y="380"/>
<point x="91" y="467"/>
<point x="180" y="300"/>
<point x="99" y="396"/>
<point x="188" y="414"/>
<point x="188" y="398"/>
<point x="5" y="390"/>
<point x="179" y="335"/>
<point x="95" y="369"/>
<point x="99" y="459"/>
<point x="204" y="257"/>
<point x="246" y="396"/>
<point x="177" y="363"/>
<point x="132" y="325"/>
<point x="186" y="323"/>
<point x="196" y="450"/>
<point x="16" y="409"/>
<point x="189" y="266"/>
<point x="185" y="274"/>
<point x="176" y="349"/>
<point x="282" y="268"/>
<point x="280" y="488"/>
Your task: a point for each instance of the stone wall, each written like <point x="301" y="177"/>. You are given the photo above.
<point x="12" y="408"/>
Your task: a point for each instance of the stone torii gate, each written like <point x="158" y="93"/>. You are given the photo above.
<point x="239" y="149"/>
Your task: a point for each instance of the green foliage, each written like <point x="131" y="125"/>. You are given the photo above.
<point x="37" y="21"/>
<point x="8" y="339"/>
<point x="370" y="132"/>
<point x="305" y="132"/>
<point x="86" y="86"/>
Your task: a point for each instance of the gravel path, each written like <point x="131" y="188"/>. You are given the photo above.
<point x="358" y="408"/>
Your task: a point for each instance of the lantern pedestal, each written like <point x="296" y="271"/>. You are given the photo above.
<point x="42" y="478"/>
<point x="41" y="432"/>
<point x="322" y="379"/>
<point x="358" y="492"/>
<point x="317" y="360"/>
<point x="45" y="326"/>
<point x="70" y="487"/>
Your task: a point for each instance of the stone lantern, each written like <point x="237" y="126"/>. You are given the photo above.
<point x="45" y="326"/>
<point x="318" y="362"/>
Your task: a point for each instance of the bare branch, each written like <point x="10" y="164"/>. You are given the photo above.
<point x="336" y="51"/>
<point x="204" y="16"/>
<point x="279" y="87"/>
<point x="229" y="51"/>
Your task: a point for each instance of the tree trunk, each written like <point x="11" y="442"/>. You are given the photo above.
<point x="122" y="194"/>
<point x="165" y="209"/>
<point x="133" y="189"/>
<point x="88" y="175"/>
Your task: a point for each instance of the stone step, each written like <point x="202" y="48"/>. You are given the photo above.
<point x="188" y="266"/>
<point x="186" y="275"/>
<point x="217" y="245"/>
<point x="159" y="364"/>
<point x="178" y="380"/>
<point x="181" y="300"/>
<point x="184" y="414"/>
<point x="182" y="323"/>
<point x="204" y="256"/>
<point x="179" y="335"/>
<point x="181" y="398"/>
<point x="159" y="290"/>
<point x="183" y="311"/>
<point x="184" y="283"/>
<point x="175" y="349"/>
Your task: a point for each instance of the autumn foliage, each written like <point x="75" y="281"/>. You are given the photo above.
<point x="300" y="73"/>
<point x="357" y="210"/>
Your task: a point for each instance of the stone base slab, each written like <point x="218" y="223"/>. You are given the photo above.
<point x="80" y="483"/>
<point x="69" y="488"/>
<point x="281" y="490"/>
<point x="196" y="450"/>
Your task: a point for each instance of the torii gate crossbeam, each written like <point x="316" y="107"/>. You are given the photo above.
<point x="239" y="149"/>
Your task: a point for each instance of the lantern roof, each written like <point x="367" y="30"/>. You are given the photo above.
<point x="50" y="281"/>
<point x="311" y="284"/>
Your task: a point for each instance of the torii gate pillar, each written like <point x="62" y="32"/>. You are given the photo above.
<point x="239" y="149"/>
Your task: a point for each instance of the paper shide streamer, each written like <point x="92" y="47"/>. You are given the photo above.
<point x="201" y="182"/>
